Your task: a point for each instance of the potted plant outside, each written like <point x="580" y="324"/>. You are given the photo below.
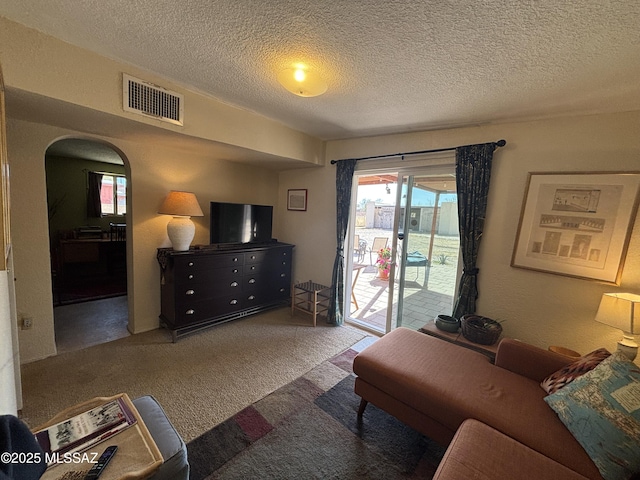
<point x="384" y="263"/>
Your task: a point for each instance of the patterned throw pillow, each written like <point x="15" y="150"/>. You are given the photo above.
<point x="601" y="409"/>
<point x="569" y="373"/>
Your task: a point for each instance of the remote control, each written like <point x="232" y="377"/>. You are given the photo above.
<point x="97" y="469"/>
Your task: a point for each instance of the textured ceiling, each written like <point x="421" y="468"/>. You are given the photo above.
<point x="391" y="65"/>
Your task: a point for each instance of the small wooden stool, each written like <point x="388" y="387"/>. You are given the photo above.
<point x="310" y="297"/>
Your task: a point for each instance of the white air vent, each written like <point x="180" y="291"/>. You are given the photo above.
<point x="145" y="98"/>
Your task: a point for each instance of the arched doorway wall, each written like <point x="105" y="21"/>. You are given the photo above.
<point x="88" y="197"/>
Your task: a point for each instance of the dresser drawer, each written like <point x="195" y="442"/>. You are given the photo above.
<point x="279" y="262"/>
<point x="187" y="278"/>
<point x="207" y="262"/>
<point x="269" y="268"/>
<point x="204" y="310"/>
<point x="265" y="294"/>
<point x="268" y="287"/>
<point x="207" y="291"/>
<point x="280" y="292"/>
<point x="281" y="253"/>
<point x="252" y="268"/>
<point x="270" y="256"/>
<point x="257" y="256"/>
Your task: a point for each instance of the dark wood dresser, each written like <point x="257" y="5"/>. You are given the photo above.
<point x="214" y="284"/>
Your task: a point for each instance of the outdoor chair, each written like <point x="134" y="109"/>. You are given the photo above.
<point x="359" y="248"/>
<point x="378" y="244"/>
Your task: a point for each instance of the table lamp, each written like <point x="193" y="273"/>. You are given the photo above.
<point x="622" y="310"/>
<point x="182" y="206"/>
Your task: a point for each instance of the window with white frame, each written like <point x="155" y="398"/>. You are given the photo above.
<point x="113" y="194"/>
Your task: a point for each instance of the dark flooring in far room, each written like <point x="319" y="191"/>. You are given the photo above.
<point x="81" y="325"/>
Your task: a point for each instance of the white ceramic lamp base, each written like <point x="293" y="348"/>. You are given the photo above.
<point x="181" y="231"/>
<point x="628" y="346"/>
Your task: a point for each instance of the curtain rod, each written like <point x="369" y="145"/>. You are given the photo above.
<point x="499" y="143"/>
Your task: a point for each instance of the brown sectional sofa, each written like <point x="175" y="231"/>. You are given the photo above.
<point x="481" y="452"/>
<point x="434" y="386"/>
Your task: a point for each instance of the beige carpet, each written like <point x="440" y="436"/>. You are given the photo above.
<point x="200" y="381"/>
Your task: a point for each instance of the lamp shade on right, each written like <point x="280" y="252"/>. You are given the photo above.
<point x="620" y="310"/>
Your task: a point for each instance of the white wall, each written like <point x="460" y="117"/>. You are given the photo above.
<point x="42" y="65"/>
<point x="313" y="232"/>
<point x="540" y="308"/>
<point x="8" y="396"/>
<point x="154" y="170"/>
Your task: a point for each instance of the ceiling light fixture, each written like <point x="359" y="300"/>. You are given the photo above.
<point x="302" y="82"/>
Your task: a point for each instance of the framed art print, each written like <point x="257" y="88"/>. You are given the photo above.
<point x="297" y="199"/>
<point x="577" y="224"/>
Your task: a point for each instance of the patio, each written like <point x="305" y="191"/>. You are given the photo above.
<point x="422" y="302"/>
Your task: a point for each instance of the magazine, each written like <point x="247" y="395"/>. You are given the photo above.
<point x="86" y="429"/>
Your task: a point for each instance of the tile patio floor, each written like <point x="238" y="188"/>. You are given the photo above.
<point x="421" y="303"/>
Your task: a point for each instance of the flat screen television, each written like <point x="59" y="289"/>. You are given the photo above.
<point x="240" y="223"/>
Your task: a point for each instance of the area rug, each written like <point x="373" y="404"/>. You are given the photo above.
<point x="308" y="429"/>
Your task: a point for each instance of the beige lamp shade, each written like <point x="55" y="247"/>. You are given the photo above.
<point x="622" y="311"/>
<point x="180" y="228"/>
<point x="184" y="204"/>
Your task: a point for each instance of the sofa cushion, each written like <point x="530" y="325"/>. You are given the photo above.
<point x="568" y="374"/>
<point x="450" y="383"/>
<point x="602" y="411"/>
<point x="528" y="360"/>
<point x="481" y="452"/>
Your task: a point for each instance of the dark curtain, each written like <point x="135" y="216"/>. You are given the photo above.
<point x="473" y="172"/>
<point x="344" y="179"/>
<point x="94" y="206"/>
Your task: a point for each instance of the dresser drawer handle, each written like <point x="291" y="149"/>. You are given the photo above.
<point x="233" y="284"/>
<point x="190" y="312"/>
<point x="282" y="275"/>
<point x="253" y="267"/>
<point x="252" y="280"/>
<point x="282" y="290"/>
<point x="190" y="277"/>
<point x="233" y="302"/>
<point x="284" y="263"/>
<point x="251" y="297"/>
<point x="235" y="270"/>
<point x="253" y="257"/>
<point x="190" y="292"/>
<point x="190" y="264"/>
<point x="235" y="259"/>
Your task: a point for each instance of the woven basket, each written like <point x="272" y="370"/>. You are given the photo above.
<point x="479" y="329"/>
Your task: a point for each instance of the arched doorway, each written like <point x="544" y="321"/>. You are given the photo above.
<point x="86" y="196"/>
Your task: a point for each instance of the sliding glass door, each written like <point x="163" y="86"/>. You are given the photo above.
<point x="428" y="249"/>
<point x="404" y="224"/>
<point x="371" y="265"/>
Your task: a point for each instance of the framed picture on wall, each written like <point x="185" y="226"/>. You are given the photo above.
<point x="577" y="224"/>
<point x="297" y="199"/>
